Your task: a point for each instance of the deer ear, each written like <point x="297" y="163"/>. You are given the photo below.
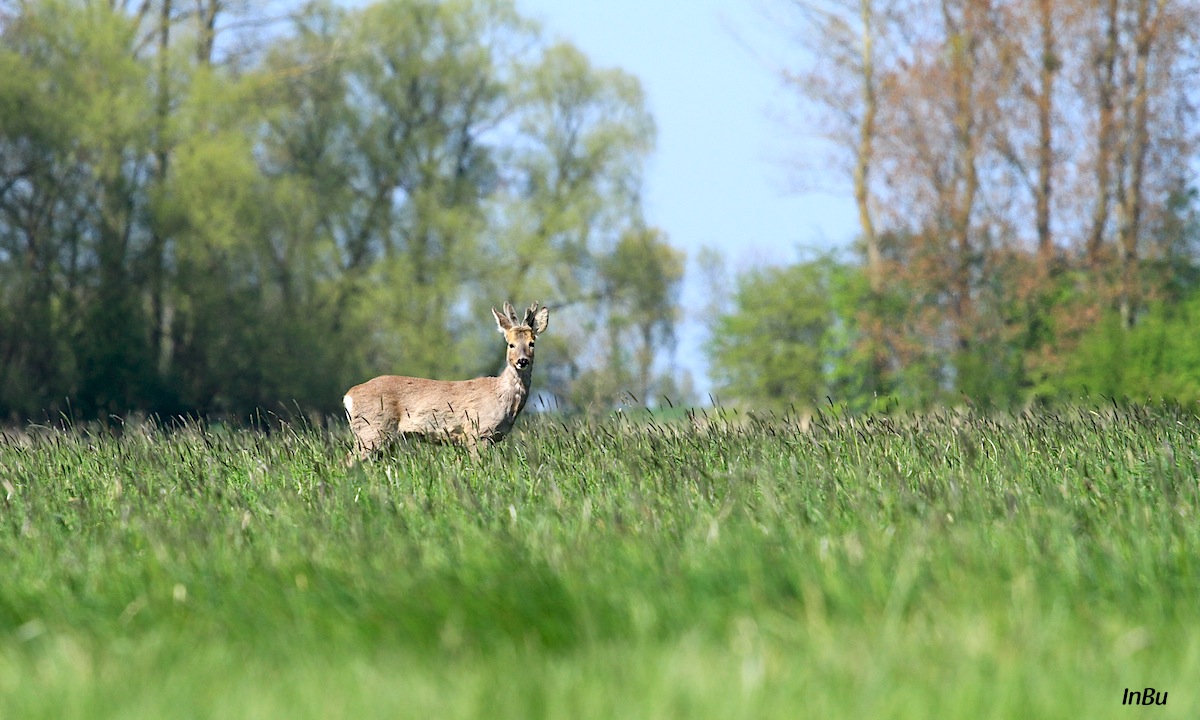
<point x="502" y="321"/>
<point x="541" y="320"/>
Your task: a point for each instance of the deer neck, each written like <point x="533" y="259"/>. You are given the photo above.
<point x="514" y="388"/>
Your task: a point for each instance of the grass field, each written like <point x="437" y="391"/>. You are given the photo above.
<point x="944" y="566"/>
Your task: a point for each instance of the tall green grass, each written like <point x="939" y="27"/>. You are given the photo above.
<point x="947" y="565"/>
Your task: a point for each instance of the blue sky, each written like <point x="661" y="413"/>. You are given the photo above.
<point x="719" y="175"/>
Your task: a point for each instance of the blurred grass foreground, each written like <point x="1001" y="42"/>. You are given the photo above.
<point x="946" y="565"/>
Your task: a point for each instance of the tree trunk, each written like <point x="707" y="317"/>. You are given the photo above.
<point x="1045" y="160"/>
<point x="160" y="334"/>
<point x="206" y="25"/>
<point x="1138" y="142"/>
<point x="864" y="153"/>
<point x="965" y="185"/>
<point x="1106" y="132"/>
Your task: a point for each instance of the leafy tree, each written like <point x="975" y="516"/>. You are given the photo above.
<point x="204" y="212"/>
<point x="1158" y="359"/>
<point x="573" y="229"/>
<point x="994" y="239"/>
<point x="776" y="346"/>
<point x="73" y="206"/>
<point x="641" y="280"/>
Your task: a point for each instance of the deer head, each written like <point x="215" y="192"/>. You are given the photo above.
<point x="521" y="334"/>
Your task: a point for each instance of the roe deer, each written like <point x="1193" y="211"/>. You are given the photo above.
<point x="464" y="412"/>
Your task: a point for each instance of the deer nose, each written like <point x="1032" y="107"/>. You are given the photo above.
<point x="522" y="363"/>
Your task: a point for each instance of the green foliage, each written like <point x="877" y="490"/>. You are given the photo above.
<point x="1157" y="359"/>
<point x="642" y="277"/>
<point x="771" y="351"/>
<point x="179" y="235"/>
<point x="987" y="566"/>
<point x="792" y="337"/>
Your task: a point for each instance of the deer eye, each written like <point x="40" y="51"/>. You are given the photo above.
<point x="530" y="346"/>
<point x="511" y="345"/>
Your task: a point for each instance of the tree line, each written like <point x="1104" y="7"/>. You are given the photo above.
<point x="210" y="207"/>
<point x="1024" y="173"/>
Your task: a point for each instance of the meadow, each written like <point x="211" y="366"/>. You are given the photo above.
<point x="947" y="565"/>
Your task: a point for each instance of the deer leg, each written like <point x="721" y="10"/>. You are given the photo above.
<point x="367" y="438"/>
<point x="472" y="444"/>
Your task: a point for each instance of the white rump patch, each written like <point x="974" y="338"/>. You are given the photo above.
<point x="349" y="403"/>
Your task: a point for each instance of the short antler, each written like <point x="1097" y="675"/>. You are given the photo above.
<point x="511" y="312"/>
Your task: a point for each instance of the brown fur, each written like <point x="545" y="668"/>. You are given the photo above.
<point x="464" y="412"/>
